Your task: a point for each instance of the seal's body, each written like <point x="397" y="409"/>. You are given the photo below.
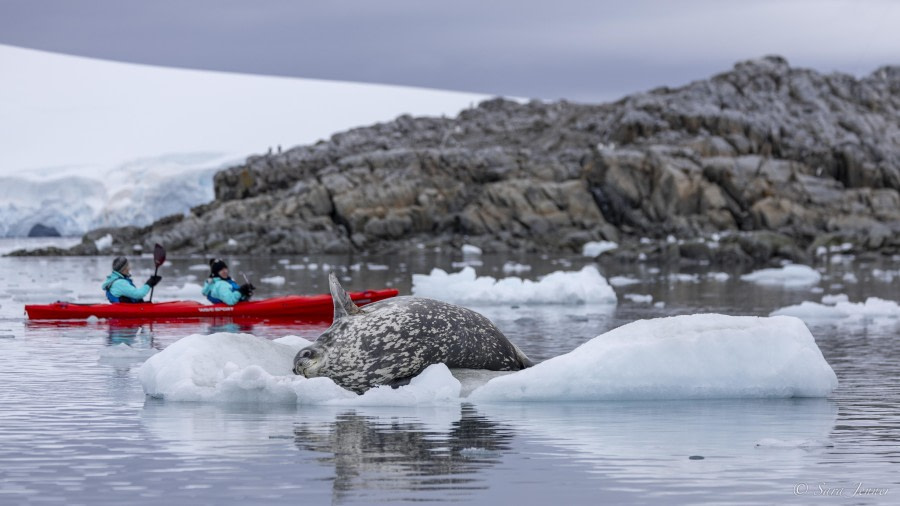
<point x="391" y="341"/>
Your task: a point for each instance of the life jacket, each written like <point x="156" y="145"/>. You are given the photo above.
<point x="234" y="286"/>
<point x="112" y="298"/>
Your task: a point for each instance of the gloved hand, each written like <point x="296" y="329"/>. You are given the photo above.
<point x="153" y="280"/>
<point x="247" y="290"/>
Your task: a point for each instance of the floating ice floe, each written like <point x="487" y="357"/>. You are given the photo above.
<point x="597" y="248"/>
<point x="789" y="276"/>
<point x="639" y="298"/>
<point x="561" y="287"/>
<point x="223" y="367"/>
<point x="681" y="357"/>
<point x="515" y="268"/>
<point x="681" y="277"/>
<point x="838" y="307"/>
<point x="273" y="280"/>
<point x="199" y="267"/>
<point x="718" y="276"/>
<point x="468" y="249"/>
<point x="623" y="281"/>
<point x="886" y="276"/>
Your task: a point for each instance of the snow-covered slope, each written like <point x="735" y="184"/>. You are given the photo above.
<point x="89" y="143"/>
<point x="133" y="193"/>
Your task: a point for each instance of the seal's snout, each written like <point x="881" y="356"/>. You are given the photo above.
<point x="303" y="361"/>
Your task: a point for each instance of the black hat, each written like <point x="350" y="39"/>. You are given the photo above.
<point x="216" y="265"/>
<point x="119" y="263"/>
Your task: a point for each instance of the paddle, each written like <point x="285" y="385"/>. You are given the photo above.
<point x="159" y="258"/>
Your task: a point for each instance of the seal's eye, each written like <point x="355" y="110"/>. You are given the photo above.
<point x="306" y="354"/>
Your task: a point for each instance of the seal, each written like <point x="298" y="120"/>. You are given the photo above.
<point x="391" y="341"/>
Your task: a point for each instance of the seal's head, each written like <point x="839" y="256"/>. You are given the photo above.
<point x="310" y="361"/>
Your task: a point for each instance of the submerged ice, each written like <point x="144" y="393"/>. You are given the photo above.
<point x="682" y="357"/>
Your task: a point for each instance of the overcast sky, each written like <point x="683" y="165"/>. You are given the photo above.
<point x="576" y="49"/>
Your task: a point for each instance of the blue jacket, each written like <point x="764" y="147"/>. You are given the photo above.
<point x="118" y="288"/>
<point x="219" y="290"/>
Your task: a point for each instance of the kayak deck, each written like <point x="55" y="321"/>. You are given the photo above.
<point x="290" y="306"/>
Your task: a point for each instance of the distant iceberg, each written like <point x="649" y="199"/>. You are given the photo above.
<point x="789" y="276"/>
<point x="561" y="287"/>
<point x="840" y="309"/>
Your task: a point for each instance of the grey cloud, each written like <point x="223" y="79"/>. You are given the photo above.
<point x="577" y="49"/>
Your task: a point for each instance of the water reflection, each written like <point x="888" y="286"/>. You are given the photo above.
<point x="396" y="453"/>
<point x="386" y="452"/>
<point x="158" y="334"/>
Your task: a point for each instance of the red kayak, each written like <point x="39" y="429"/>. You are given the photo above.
<point x="291" y="306"/>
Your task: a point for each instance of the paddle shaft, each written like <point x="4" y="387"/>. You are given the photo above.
<point x="155" y="271"/>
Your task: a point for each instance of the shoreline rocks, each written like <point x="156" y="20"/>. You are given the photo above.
<point x="776" y="161"/>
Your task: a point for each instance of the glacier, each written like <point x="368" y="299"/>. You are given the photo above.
<point x="138" y="192"/>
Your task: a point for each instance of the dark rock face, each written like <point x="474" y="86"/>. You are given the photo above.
<point x="776" y="160"/>
<point x="41" y="230"/>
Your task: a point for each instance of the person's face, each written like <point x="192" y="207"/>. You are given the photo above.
<point x="126" y="271"/>
<point x="223" y="273"/>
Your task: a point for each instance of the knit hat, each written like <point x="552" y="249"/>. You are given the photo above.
<point x="216" y="265"/>
<point x="119" y="263"/>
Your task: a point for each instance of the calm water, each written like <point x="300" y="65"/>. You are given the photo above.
<point x="75" y="427"/>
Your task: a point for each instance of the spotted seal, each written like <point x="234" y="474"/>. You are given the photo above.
<point x="391" y="341"/>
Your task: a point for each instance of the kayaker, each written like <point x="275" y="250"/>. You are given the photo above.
<point x="120" y="288"/>
<point x="220" y="288"/>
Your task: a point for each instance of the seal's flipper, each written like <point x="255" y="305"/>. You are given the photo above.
<point x="343" y="306"/>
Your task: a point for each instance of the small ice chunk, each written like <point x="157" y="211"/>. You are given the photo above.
<point x="840" y="309"/>
<point x="623" y="281"/>
<point x="515" y="268"/>
<point x="469" y="249"/>
<point x="273" y="280"/>
<point x="789" y="276"/>
<point x="596" y="248"/>
<point x="634" y="297"/>
<point x="834" y="299"/>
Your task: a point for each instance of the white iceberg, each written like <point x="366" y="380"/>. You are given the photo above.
<point x="789" y="276"/>
<point x="681" y="357"/>
<point x="838" y="308"/>
<point x="596" y="248"/>
<point x="561" y="287"/>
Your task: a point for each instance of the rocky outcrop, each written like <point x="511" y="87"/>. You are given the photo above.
<point x="772" y="160"/>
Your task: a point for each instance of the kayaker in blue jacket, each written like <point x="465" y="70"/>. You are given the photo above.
<point x="120" y="288"/>
<point x="220" y="288"/>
